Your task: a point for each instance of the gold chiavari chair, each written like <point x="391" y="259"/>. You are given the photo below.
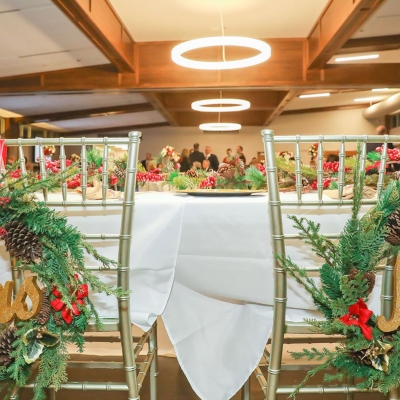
<point x="281" y="327"/>
<point x="135" y="372"/>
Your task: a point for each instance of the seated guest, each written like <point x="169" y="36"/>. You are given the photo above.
<point x="146" y="161"/>
<point x="184" y="161"/>
<point x="206" y="165"/>
<point x="196" y="156"/>
<point x="196" y="165"/>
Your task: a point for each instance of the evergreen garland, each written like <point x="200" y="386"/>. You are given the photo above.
<point x="62" y="273"/>
<point x="366" y="353"/>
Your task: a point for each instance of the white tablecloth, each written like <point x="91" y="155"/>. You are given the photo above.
<point x="206" y="266"/>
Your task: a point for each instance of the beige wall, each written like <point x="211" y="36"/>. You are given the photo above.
<point x="349" y="122"/>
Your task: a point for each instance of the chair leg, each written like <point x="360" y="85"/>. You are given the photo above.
<point x="394" y="395"/>
<point x="350" y="382"/>
<point x="246" y="390"/>
<point x="154" y="364"/>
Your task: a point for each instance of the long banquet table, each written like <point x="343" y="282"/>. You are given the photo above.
<point x="206" y="266"/>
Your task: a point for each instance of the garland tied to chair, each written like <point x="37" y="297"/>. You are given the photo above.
<point x="40" y="240"/>
<point x="370" y="350"/>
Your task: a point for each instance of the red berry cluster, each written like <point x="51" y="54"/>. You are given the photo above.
<point x="55" y="166"/>
<point x="3" y="233"/>
<point x="113" y="180"/>
<point x="394" y="154"/>
<point x="4" y="201"/>
<point x="333" y="167"/>
<point x="262" y="168"/>
<point x="16" y="174"/>
<point x="327" y="182"/>
<point x="149" y="176"/>
<point x="74" y="182"/>
<point x="208" y="183"/>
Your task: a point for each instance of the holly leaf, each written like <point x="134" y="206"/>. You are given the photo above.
<point x="33" y="351"/>
<point x="48" y="339"/>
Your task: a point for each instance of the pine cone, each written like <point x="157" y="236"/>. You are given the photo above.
<point x="22" y="243"/>
<point x="58" y="320"/>
<point x="45" y="311"/>
<point x="396" y="175"/>
<point x="393" y="225"/>
<point x="192" y="173"/>
<point x="361" y="358"/>
<point x="226" y="170"/>
<point x="369" y="276"/>
<point x="7" y="338"/>
<point x="304" y="181"/>
<point x="120" y="173"/>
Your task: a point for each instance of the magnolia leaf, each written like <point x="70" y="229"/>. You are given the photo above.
<point x="48" y="339"/>
<point x="33" y="351"/>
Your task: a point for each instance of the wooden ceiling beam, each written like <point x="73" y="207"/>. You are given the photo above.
<point x="279" y="109"/>
<point x="335" y="26"/>
<point x="324" y="109"/>
<point x="87" y="113"/>
<point x="127" y="128"/>
<point x="103" y="27"/>
<point x="156" y="100"/>
<point x="378" y="43"/>
<point x="259" y="100"/>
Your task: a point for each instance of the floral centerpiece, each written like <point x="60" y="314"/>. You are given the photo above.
<point x="49" y="150"/>
<point x="168" y="160"/>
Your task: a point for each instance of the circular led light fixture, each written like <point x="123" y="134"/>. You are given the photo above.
<point x="232" y="105"/>
<point x="220" y="126"/>
<point x="262" y="47"/>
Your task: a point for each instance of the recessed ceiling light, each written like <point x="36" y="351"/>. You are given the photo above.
<point x="354" y="58"/>
<point x="306" y="96"/>
<point x="380" y="90"/>
<point x="368" y="99"/>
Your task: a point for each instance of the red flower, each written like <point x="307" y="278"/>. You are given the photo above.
<point x="359" y="315"/>
<point x="68" y="314"/>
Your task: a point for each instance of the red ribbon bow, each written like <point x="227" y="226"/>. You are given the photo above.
<point x="68" y="314"/>
<point x="359" y="315"/>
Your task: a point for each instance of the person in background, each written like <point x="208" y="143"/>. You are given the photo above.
<point x="239" y="153"/>
<point x="196" y="156"/>
<point x="214" y="163"/>
<point x="254" y="162"/>
<point x="206" y="165"/>
<point x="191" y="151"/>
<point x="380" y="130"/>
<point x="184" y="161"/>
<point x="10" y="160"/>
<point x="228" y="156"/>
<point x="146" y="161"/>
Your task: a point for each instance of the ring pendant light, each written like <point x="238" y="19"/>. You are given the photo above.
<point x="231" y="105"/>
<point x="262" y="47"/>
<point x="220" y="126"/>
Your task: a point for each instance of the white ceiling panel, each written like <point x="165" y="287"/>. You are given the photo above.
<point x="51" y="103"/>
<point x="111" y="121"/>
<point x="385" y="22"/>
<point x="39" y="37"/>
<point x="154" y="20"/>
<point x="338" y="99"/>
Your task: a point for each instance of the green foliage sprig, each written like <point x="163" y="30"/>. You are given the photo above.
<point x="61" y="266"/>
<point x="360" y="247"/>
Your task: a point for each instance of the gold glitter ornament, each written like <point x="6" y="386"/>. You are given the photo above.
<point x="18" y="308"/>
<point x="394" y="322"/>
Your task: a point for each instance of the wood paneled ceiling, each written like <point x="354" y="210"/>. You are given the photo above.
<point x="137" y="84"/>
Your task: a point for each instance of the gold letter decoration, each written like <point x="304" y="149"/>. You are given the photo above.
<point x="18" y="308"/>
<point x="394" y="322"/>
